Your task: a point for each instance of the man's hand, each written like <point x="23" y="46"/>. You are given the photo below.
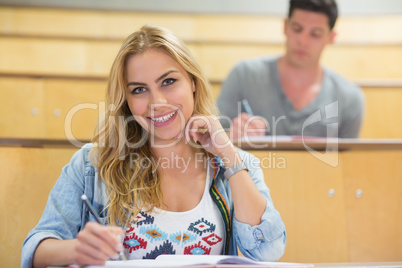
<point x="246" y="125"/>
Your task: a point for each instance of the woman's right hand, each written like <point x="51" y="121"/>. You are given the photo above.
<point x="96" y="243"/>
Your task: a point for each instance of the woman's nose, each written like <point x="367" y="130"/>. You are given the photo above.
<point x="158" y="98"/>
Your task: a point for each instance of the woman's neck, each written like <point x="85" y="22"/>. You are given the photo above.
<point x="176" y="155"/>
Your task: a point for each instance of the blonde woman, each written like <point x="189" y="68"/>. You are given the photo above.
<point x="161" y="172"/>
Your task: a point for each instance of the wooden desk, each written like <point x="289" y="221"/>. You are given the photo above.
<point x="360" y="265"/>
<point x="317" y="265"/>
<point x="348" y="212"/>
<point x="338" y="205"/>
<point x="27" y="175"/>
<point x="318" y="144"/>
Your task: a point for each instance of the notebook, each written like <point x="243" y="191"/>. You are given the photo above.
<point x="200" y="261"/>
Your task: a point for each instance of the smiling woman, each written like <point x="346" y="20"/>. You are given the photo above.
<point x="165" y="91"/>
<point x="162" y="173"/>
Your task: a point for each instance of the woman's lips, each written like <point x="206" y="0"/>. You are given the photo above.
<point x="163" y="120"/>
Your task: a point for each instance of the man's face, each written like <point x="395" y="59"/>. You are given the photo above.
<point x="307" y="33"/>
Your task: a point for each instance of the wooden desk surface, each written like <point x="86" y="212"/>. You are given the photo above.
<point x="319" y="144"/>
<point x="321" y="265"/>
<point x="359" y="264"/>
<point x="253" y="143"/>
<point x="38" y="143"/>
<point x="317" y="265"/>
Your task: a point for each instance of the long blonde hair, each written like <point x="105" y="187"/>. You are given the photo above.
<point x="121" y="146"/>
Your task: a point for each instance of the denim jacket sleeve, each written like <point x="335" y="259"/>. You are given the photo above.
<point x="63" y="216"/>
<point x="266" y="241"/>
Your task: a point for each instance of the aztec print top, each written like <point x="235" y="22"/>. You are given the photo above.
<point x="199" y="231"/>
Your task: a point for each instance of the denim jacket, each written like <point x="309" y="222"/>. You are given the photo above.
<point x="65" y="215"/>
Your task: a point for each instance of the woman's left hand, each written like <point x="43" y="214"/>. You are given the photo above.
<point x="208" y="132"/>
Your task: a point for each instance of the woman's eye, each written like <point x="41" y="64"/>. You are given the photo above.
<point x="138" y="90"/>
<point x="168" y="81"/>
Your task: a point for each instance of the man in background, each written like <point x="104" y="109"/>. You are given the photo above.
<point x="293" y="94"/>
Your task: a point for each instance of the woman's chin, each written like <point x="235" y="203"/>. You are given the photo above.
<point x="167" y="140"/>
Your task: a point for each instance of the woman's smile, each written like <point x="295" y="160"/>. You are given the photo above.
<point x="163" y="120"/>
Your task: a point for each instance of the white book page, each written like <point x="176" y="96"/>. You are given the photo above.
<point x="208" y="259"/>
<point x="198" y="260"/>
<point x="268" y="138"/>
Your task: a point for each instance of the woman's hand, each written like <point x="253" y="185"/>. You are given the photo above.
<point x="208" y="132"/>
<point x="96" y="243"/>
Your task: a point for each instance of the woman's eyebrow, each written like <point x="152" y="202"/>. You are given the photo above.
<point x="164" y="75"/>
<point x="136" y="84"/>
<point x="156" y="81"/>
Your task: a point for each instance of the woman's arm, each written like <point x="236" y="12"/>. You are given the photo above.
<point x="54" y="252"/>
<point x="249" y="204"/>
<point x="265" y="241"/>
<point x="258" y="229"/>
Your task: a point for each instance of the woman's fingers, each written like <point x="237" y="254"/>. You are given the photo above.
<point x="197" y="126"/>
<point x="208" y="132"/>
<point x="97" y="243"/>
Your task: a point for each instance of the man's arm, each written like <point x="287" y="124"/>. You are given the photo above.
<point x="353" y="116"/>
<point x="229" y="100"/>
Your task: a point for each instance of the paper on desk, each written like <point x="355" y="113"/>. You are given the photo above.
<point x="269" y="138"/>
<point x="285" y="138"/>
<point x="199" y="260"/>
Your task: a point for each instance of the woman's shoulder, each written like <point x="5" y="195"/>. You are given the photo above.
<point x="83" y="152"/>
<point x="81" y="156"/>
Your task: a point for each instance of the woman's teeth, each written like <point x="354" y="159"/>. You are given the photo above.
<point x="163" y="118"/>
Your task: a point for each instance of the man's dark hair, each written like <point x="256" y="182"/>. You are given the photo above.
<point x="327" y="7"/>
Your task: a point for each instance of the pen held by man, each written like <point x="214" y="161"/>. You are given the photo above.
<point x="246" y="107"/>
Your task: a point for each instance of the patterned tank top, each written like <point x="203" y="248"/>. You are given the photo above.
<point x="199" y="231"/>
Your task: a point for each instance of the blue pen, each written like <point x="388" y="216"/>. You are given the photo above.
<point x="246" y="107"/>
<point x="91" y="209"/>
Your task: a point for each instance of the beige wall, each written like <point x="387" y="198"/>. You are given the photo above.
<point x="55" y="61"/>
<point x="52" y="60"/>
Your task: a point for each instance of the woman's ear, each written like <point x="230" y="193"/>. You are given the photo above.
<point x="193" y="85"/>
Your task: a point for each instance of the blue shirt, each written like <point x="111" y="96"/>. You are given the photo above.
<point x="65" y="215"/>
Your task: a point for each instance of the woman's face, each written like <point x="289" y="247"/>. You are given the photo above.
<point x="160" y="94"/>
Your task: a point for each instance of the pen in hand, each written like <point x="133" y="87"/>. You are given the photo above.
<point x="84" y="199"/>
<point x="246" y="107"/>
